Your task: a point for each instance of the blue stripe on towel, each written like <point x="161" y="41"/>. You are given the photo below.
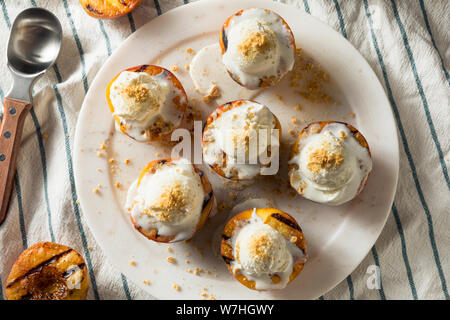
<point x="79" y="46"/>
<point x="158" y="8"/>
<point x="5" y="14"/>
<point x="44" y="170"/>
<point x="305" y="3"/>
<point x="404" y="253"/>
<point x="377" y="263"/>
<point x="427" y="24"/>
<point x="131" y="20"/>
<point x="421" y="92"/>
<point x="350" y="287"/>
<point x="341" y="19"/>
<point x="407" y="151"/>
<point x="74" y="194"/>
<point x="108" y="42"/>
<point x="21" y="216"/>
<point x="125" y="287"/>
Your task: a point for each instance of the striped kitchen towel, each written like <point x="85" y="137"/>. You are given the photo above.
<point x="406" y="42"/>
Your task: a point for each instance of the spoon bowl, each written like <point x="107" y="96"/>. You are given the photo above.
<point x="33" y="47"/>
<point x="34" y="42"/>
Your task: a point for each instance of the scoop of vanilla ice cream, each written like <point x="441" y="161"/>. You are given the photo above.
<point x="324" y="161"/>
<point x="238" y="129"/>
<point x="138" y="97"/>
<point x="260" y="249"/>
<point x="172" y="195"/>
<point x="253" y="46"/>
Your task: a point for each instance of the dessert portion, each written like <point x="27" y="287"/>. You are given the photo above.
<point x="109" y="9"/>
<point x="264" y="248"/>
<point x="48" y="271"/>
<point x="330" y="162"/>
<point x="240" y="139"/>
<point x="170" y="200"/>
<point x="148" y="102"/>
<point x="258" y="47"/>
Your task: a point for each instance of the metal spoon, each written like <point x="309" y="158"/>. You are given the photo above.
<point x="33" y="46"/>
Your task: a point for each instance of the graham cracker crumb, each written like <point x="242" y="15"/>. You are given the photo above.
<point x="309" y="78"/>
<point x="137" y="91"/>
<point x="213" y="93"/>
<point x="171" y="260"/>
<point x="255" y="43"/>
<point x="322" y="159"/>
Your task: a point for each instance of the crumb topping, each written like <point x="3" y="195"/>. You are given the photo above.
<point x="171" y="200"/>
<point x="137" y="92"/>
<point x="256" y="43"/>
<point x="322" y="159"/>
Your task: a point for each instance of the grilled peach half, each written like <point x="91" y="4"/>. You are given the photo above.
<point x="180" y="100"/>
<point x="316" y="127"/>
<point x="277" y="219"/>
<point x="48" y="271"/>
<point x="223" y="41"/>
<point x="214" y="116"/>
<point x="207" y="206"/>
<point x="108" y="9"/>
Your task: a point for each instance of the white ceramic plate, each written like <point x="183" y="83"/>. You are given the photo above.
<point x="339" y="237"/>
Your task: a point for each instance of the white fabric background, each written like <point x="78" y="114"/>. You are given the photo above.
<point x="413" y="249"/>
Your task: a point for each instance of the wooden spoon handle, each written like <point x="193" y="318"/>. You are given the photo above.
<point x="14" y="112"/>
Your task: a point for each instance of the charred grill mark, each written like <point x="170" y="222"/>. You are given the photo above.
<point x="142" y="68"/>
<point x="286" y="221"/>
<point x="200" y="173"/>
<point x="93" y="10"/>
<point x="206" y="200"/>
<point x="71" y="271"/>
<point x="27" y="296"/>
<point x="224" y="39"/>
<point x="39" y="267"/>
<point x="162" y="162"/>
<point x="204" y="125"/>
<point x="225" y="237"/>
<point x="227" y="260"/>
